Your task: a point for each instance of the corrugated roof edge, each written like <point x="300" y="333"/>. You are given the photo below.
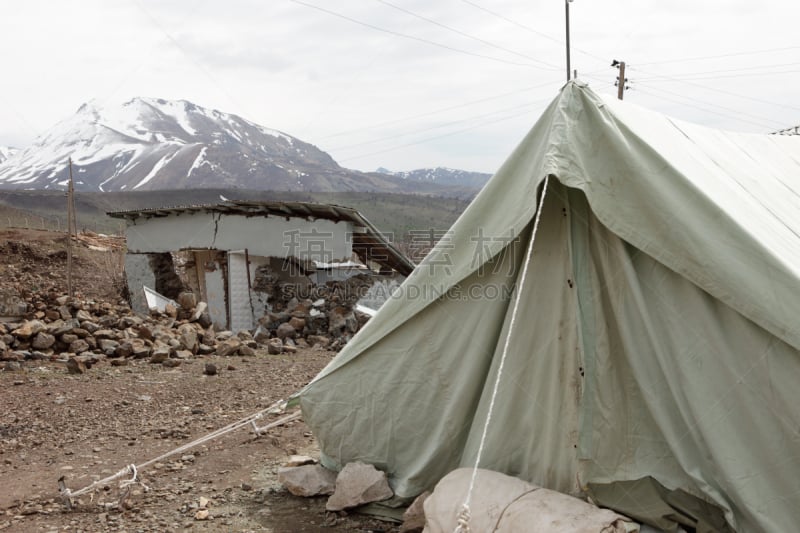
<point x="397" y="260"/>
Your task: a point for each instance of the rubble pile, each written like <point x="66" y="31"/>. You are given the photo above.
<point x="323" y="315"/>
<point x="82" y="333"/>
<point x="89" y="328"/>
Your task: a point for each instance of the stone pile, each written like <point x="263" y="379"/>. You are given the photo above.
<point x="82" y="333"/>
<point x="327" y="318"/>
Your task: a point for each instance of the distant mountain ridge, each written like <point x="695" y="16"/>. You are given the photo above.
<point x="156" y="144"/>
<point x="442" y="176"/>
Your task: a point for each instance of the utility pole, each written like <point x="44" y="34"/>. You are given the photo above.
<point x="622" y="81"/>
<point x="566" y="7"/>
<point x="70" y="213"/>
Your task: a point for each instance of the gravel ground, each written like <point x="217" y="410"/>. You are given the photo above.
<point x="88" y="426"/>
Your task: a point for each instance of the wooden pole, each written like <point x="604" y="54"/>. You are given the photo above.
<point x="70" y="210"/>
<point x="621" y="80"/>
<point x="566" y="7"/>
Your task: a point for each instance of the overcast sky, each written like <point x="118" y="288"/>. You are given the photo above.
<point x="401" y="84"/>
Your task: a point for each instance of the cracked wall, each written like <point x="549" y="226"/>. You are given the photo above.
<point x="320" y="239"/>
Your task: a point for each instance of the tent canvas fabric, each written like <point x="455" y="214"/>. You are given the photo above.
<point x="657" y="332"/>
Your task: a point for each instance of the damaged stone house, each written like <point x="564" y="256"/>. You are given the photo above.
<point x="244" y="258"/>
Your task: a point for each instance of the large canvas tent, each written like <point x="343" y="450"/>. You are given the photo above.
<point x="658" y="331"/>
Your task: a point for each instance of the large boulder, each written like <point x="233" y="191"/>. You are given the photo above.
<point x="358" y="484"/>
<point x="307" y="480"/>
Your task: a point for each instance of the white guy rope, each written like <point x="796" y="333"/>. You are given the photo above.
<point x="464" y="514"/>
<point x="133" y="469"/>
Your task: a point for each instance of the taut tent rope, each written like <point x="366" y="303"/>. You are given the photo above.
<point x="464" y="514"/>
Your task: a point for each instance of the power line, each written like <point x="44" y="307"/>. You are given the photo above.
<point x="467" y="35"/>
<point x="760" y="121"/>
<point x="705" y="110"/>
<point x="412" y="37"/>
<point x="723" y="71"/>
<point x="444" y="125"/>
<point x="429" y="139"/>
<point x="743" y="75"/>
<point x="723" y="91"/>
<point x="735" y="54"/>
<point x="528" y="28"/>
<point x="437" y="111"/>
<point x="699" y="76"/>
<point x="763" y="121"/>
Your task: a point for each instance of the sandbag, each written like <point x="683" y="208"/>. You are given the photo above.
<point x="505" y="504"/>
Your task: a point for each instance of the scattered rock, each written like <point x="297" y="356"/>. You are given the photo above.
<point x="210" y="369"/>
<point x="78" y="346"/>
<point x="159" y="355"/>
<point x="357" y="484"/>
<point x="108" y="346"/>
<point x="275" y="346"/>
<point x="76" y="366"/>
<point x="307" y="480"/>
<point x="43" y="341"/>
<point x="187" y="300"/>
<point x="297" y="323"/>
<point x="414" y="517"/>
<point x="11" y="366"/>
<point x="171" y="311"/>
<point x="188" y="337"/>
<point x="145" y="332"/>
<point x="229" y="346"/>
<point x="313" y="340"/>
<point x="285" y="330"/>
<point x="246" y="350"/>
<point x="199" y="309"/>
<point x="28" y="329"/>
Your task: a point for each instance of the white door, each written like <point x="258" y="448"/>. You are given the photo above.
<point x="240" y="310"/>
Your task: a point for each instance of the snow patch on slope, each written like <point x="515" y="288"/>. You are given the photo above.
<point x="158" y="166"/>
<point x="7" y="152"/>
<point x="199" y="160"/>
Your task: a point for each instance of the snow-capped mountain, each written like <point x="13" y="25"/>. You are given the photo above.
<point x="442" y="176"/>
<point x="149" y="143"/>
<point x="6" y="152"/>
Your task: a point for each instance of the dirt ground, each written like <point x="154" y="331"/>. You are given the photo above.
<point x="88" y="426"/>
